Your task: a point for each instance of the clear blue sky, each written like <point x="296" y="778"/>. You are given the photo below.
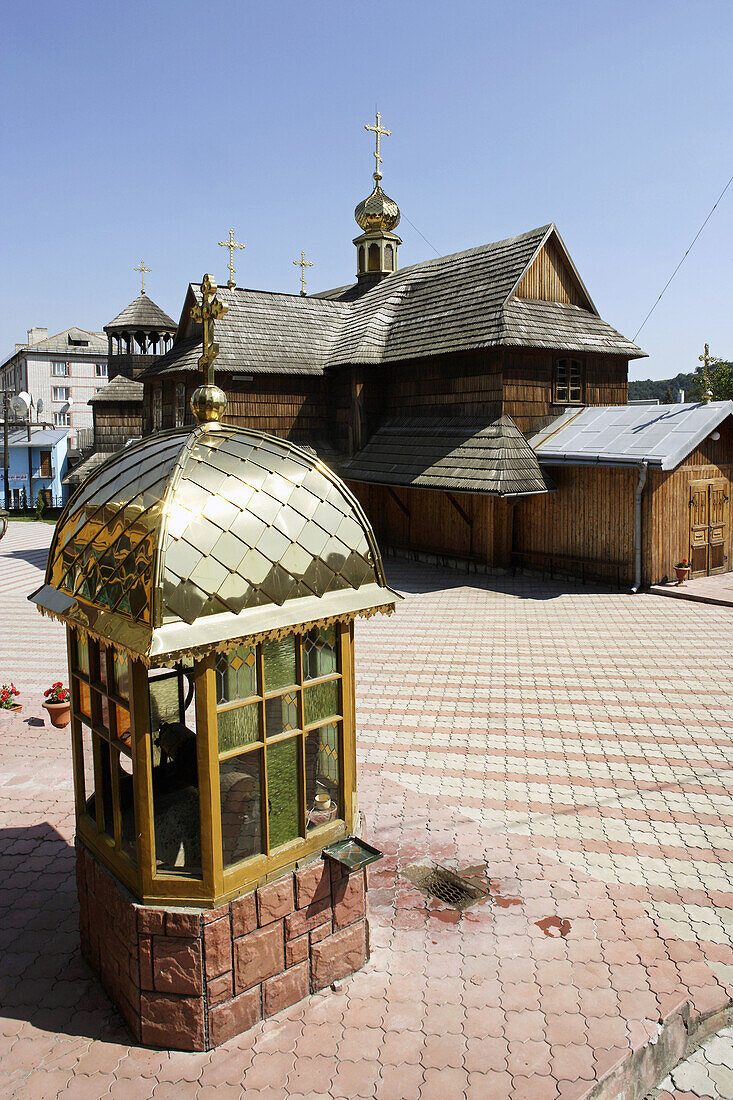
<point x="148" y="130"/>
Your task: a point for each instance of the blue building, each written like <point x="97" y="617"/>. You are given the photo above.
<point x="37" y="465"/>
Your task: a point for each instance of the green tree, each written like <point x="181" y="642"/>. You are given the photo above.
<point x="720" y="375"/>
<point x="668" y="397"/>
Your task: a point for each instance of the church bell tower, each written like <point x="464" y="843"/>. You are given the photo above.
<point x="377" y="215"/>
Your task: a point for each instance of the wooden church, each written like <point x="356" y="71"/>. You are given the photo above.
<point x="423" y="387"/>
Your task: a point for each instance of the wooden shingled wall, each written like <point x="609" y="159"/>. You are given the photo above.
<point x="528" y="379"/>
<point x="550" y="279"/>
<point x="590" y="519"/>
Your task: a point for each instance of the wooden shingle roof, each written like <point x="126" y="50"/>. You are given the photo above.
<point x="119" y="389"/>
<point x="143" y="313"/>
<point x="459" y="453"/>
<point x="452" y="304"/>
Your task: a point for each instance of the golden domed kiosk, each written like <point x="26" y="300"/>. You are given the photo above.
<point x="378" y="215"/>
<point x="209" y="581"/>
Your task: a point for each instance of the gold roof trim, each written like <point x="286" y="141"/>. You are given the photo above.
<point x="199" y="651"/>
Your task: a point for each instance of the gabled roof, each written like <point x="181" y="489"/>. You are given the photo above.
<point x="119" y="388"/>
<point x="459" y="453"/>
<point x="142" y="313"/>
<point x="452" y="304"/>
<point x="72" y="341"/>
<point x="614" y="434"/>
<point x="261" y="331"/>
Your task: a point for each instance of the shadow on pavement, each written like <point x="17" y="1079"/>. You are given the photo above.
<point x="43" y="977"/>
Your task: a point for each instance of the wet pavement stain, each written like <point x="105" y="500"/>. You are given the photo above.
<point x="554" y="926"/>
<point x="499" y="898"/>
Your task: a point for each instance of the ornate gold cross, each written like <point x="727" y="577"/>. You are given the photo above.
<point x="142" y="269"/>
<point x="380" y="131"/>
<point x="302" y="263"/>
<point x="210" y="310"/>
<point x="706" y="359"/>
<point x="232" y="245"/>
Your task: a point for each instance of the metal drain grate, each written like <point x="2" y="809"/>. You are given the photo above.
<point x="445" y="885"/>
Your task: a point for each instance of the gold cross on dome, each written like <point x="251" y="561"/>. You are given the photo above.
<point x="380" y="132"/>
<point x="232" y="245"/>
<point x="210" y="310"/>
<point x="302" y="263"/>
<point x="142" y="269"/>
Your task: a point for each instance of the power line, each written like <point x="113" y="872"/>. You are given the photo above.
<point x="679" y="265"/>
<point x="427" y="242"/>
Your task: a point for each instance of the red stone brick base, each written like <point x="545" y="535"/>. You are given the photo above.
<point x="190" y="979"/>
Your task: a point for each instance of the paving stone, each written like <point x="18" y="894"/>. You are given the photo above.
<point x="577" y="762"/>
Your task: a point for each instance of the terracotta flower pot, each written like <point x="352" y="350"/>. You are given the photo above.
<point x="59" y="713"/>
<point x="16" y="708"/>
<point x="681" y="572"/>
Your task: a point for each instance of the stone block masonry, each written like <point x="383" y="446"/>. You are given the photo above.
<point x="189" y="979"/>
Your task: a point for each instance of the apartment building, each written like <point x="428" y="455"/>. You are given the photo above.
<point x="60" y="373"/>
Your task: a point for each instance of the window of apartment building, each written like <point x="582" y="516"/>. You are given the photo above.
<point x="60" y="370"/>
<point x="45" y="464"/>
<point x="61" y="393"/>
<point x="568" y="382"/>
<point x="100" y="369"/>
<point x="61" y="420"/>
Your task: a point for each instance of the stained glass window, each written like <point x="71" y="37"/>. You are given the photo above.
<point x="319" y="652"/>
<point x="283" y="790"/>
<point x="320" y="701"/>
<point x="279" y="663"/>
<point x="322" y="778"/>
<point x="281" y="713"/>
<point x="236" y="674"/>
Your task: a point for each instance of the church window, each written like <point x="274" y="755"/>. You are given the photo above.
<point x="568" y="385"/>
<point x="157" y="409"/>
<point x="180" y="404"/>
<point x="361" y="258"/>
<point x="388" y="258"/>
<point x="374" y="257"/>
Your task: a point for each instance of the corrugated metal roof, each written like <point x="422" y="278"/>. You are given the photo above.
<point x="662" y="436"/>
<point x="40" y="437"/>
<point x="459" y="453"/>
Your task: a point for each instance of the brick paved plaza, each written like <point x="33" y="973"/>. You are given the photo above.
<point x="568" y="744"/>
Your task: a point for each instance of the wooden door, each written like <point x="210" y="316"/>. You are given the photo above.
<point x="709" y="527"/>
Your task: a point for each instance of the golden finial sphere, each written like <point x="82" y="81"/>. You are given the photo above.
<point x="378" y="212"/>
<point x="208" y="403"/>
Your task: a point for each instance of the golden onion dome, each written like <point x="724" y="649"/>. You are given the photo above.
<point x="378" y="212"/>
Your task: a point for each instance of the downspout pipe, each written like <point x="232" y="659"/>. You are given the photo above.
<point x="643" y="468"/>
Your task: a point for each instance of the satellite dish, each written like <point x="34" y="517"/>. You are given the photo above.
<point x="39" y="405"/>
<point x="21" y="404"/>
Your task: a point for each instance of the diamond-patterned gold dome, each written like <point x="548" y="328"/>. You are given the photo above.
<point x="378" y="212"/>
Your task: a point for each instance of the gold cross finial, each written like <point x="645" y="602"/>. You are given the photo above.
<point x="302" y="263"/>
<point x="380" y="132"/>
<point x="706" y="359"/>
<point x="210" y="310"/>
<point x="142" y="269"/>
<point x="208" y="401"/>
<point x="232" y="245"/>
